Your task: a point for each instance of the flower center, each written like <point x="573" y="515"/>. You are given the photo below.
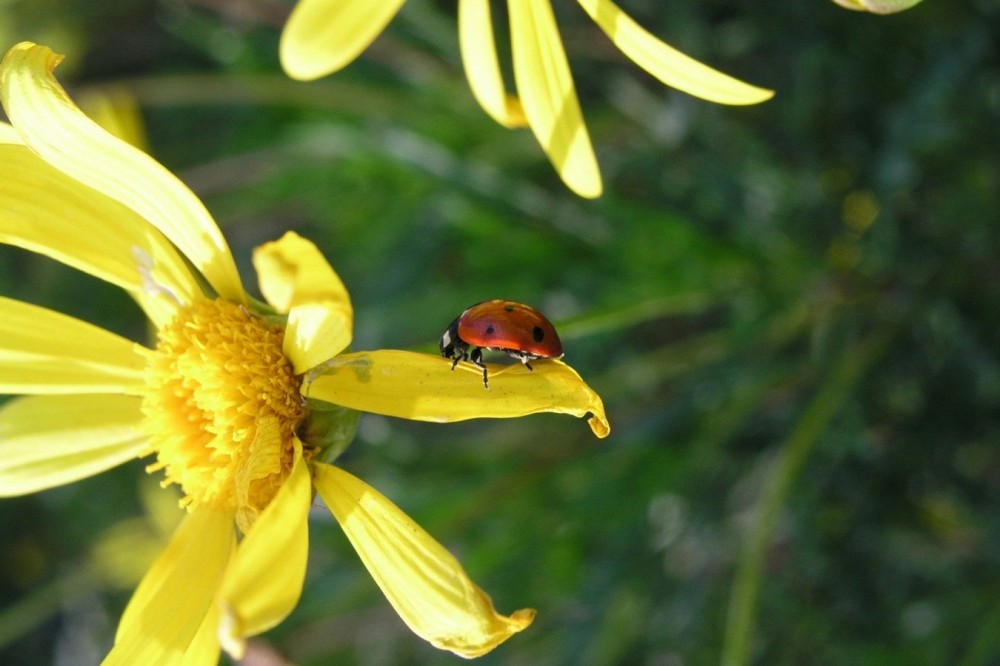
<point x="221" y="407"/>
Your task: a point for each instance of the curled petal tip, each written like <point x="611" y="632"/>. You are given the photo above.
<point x="514" y="623"/>
<point x="600" y="425"/>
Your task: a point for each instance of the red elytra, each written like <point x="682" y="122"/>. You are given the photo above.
<point x="517" y="329"/>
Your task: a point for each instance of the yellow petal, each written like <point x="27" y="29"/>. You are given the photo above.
<point x="264" y="581"/>
<point x="101" y="237"/>
<point x="295" y="278"/>
<point x="422" y="387"/>
<point x="204" y="649"/>
<point x="8" y="134"/>
<point x="546" y="88"/>
<point x="116" y="110"/>
<point x="482" y="68"/>
<point x="421" y="579"/>
<point x="51" y="440"/>
<point x="667" y="63"/>
<point x="322" y="36"/>
<point x="42" y="351"/>
<point x="63" y="136"/>
<point x="166" y="615"/>
<point x="878" y="6"/>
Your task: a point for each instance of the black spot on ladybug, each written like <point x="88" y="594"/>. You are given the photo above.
<point x="489" y="330"/>
<point x="508" y="308"/>
<point x="537" y="333"/>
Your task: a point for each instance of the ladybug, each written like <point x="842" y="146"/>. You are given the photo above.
<point x="521" y="331"/>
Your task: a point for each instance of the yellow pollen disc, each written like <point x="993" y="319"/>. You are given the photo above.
<point x="221" y="406"/>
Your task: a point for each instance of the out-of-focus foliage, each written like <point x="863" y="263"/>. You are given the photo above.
<point x="792" y="312"/>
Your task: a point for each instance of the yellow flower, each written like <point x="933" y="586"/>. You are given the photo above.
<point x="322" y="36"/>
<point x="244" y="404"/>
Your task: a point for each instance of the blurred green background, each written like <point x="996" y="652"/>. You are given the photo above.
<point x="792" y="312"/>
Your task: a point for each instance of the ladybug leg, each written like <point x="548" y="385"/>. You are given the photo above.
<point x="477" y="359"/>
<point x="458" y="353"/>
<point x="524" y="357"/>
